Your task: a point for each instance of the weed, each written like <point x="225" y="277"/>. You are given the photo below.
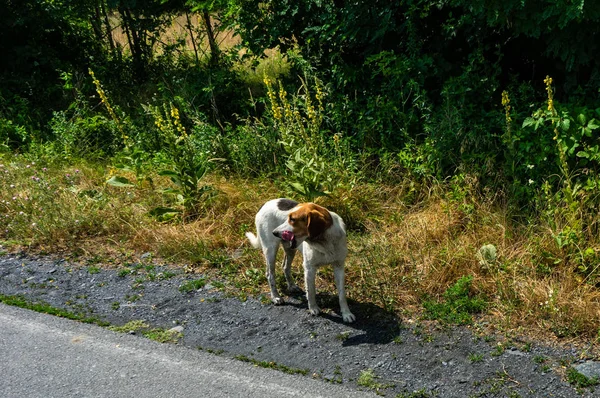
<point x="580" y="380"/>
<point x="539" y="359"/>
<point x="367" y="378"/>
<point x="193" y="285"/>
<point x="498" y="350"/>
<point x="475" y="358"/>
<point x="123" y="273"/>
<point x="93" y="270"/>
<point x="160" y="335"/>
<point x="131" y="326"/>
<point x="163" y="336"/>
<point x="545" y="368"/>
<point x="422" y="393"/>
<point x="132" y="298"/>
<point x="272" y="365"/>
<point x="343" y="336"/>
<point x="458" y="305"/>
<point x="115" y="305"/>
<point x="40" y="306"/>
<point x="190" y="164"/>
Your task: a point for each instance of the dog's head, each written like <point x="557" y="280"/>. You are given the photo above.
<point x="305" y="221"/>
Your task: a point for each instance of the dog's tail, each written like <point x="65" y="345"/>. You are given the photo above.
<point x="254" y="240"/>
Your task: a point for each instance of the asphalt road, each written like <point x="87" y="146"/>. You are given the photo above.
<point x="46" y="356"/>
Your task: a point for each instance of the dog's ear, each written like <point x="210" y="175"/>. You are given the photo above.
<point x="318" y="222"/>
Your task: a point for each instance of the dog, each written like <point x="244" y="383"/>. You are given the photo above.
<point x="319" y="234"/>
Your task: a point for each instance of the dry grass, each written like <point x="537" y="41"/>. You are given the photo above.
<point x="399" y="253"/>
<point x="179" y="32"/>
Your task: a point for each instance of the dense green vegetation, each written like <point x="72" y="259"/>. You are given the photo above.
<point x="412" y="86"/>
<point x="116" y="113"/>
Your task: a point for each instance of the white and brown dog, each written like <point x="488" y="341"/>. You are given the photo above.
<point x="318" y="233"/>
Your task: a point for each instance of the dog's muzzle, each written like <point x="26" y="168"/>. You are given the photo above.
<point x="287" y="243"/>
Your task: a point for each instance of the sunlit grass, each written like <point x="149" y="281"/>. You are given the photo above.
<point x="401" y="252"/>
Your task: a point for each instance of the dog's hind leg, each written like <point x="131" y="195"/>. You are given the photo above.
<point x="292" y="288"/>
<point x="270" y="256"/>
<point x="338" y="273"/>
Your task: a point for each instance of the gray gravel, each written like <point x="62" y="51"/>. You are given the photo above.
<point x="404" y="358"/>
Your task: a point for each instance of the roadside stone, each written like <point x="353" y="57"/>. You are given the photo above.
<point x="589" y="369"/>
<point x="176" y="329"/>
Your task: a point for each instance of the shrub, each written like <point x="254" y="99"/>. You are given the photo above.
<point x="458" y="304"/>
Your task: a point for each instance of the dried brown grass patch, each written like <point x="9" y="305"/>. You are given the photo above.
<point x="400" y="252"/>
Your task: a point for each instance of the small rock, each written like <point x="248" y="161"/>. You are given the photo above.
<point x="516" y="352"/>
<point x="146" y="255"/>
<point x="176" y="329"/>
<point x="589" y="369"/>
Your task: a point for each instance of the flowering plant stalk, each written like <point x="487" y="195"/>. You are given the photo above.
<point x="298" y="120"/>
<point x="189" y="165"/>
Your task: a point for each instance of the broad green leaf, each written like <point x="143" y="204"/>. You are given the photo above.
<point x="298" y="187"/>
<point x="583" y="154"/>
<point x="118" y="181"/>
<point x="528" y="122"/>
<point x="168" y="173"/>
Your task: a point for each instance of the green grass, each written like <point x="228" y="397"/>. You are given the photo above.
<point x="272" y="365"/>
<point x="156" y="334"/>
<point x="458" y="304"/>
<point x="407" y="258"/>
<point x="43" y="307"/>
<point x="580" y="380"/>
<point x="368" y="379"/>
<point x="193" y="285"/>
<point x="475" y="358"/>
<point x="163" y="335"/>
<point x="134" y="326"/>
<point x="422" y="393"/>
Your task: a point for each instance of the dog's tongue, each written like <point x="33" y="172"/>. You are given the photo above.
<point x="287" y="235"/>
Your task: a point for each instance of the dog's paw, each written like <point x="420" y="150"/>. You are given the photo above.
<point x="314" y="311"/>
<point x="277" y="300"/>
<point x="348" y="317"/>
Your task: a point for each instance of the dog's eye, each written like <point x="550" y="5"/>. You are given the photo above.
<point x="292" y="219"/>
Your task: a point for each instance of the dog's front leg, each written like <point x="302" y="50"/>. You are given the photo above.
<point x="338" y="273"/>
<point x="310" y="273"/>
<point x="270" y="257"/>
<point x="287" y="270"/>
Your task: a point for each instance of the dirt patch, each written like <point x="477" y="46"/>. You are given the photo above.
<point x="378" y="352"/>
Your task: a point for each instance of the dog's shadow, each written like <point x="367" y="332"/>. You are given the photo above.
<point x="378" y="325"/>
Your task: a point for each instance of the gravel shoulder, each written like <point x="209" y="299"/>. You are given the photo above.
<point x="378" y="352"/>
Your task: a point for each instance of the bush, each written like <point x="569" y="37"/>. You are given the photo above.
<point x="84" y="136"/>
<point x="458" y="304"/>
<point x="12" y="136"/>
